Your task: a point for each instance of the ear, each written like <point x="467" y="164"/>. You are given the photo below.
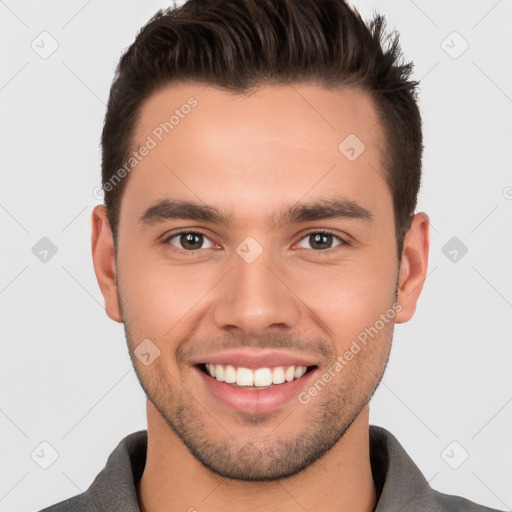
<point x="413" y="267"/>
<point x="104" y="261"/>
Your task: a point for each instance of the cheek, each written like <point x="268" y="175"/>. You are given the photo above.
<point x="163" y="299"/>
<point x="352" y="295"/>
<point x="158" y="296"/>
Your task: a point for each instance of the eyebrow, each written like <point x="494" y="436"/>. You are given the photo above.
<point x="332" y="208"/>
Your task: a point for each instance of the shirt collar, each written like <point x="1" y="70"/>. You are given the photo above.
<point x="399" y="482"/>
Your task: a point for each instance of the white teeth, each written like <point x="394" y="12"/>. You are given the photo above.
<point x="244" y="377"/>
<point x="261" y="377"/>
<point x="229" y="374"/>
<point x="278" y="375"/>
<point x="299" y="372"/>
<point x="219" y="372"/>
<point x="289" y="373"/>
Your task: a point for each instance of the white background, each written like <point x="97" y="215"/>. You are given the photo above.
<point x="65" y="373"/>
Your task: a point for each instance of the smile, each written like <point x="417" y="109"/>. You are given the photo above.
<point x="254" y="378"/>
<point x="253" y="391"/>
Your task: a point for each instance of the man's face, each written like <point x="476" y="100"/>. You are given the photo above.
<point x="299" y="291"/>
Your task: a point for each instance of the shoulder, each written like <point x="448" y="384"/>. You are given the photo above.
<point x="72" y="505"/>
<point x="401" y="484"/>
<point x="452" y="503"/>
<point x="114" y="488"/>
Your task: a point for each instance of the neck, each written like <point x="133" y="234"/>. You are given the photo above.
<point x="174" y="480"/>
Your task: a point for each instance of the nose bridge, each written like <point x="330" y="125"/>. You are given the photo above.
<point x="254" y="298"/>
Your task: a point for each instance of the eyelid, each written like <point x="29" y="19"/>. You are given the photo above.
<point x="198" y="231"/>
<point x="325" y="231"/>
<point x="303" y="235"/>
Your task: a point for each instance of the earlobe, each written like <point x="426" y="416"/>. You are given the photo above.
<point x="413" y="267"/>
<point x="104" y="262"/>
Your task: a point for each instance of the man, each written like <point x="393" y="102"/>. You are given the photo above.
<point x="261" y="164"/>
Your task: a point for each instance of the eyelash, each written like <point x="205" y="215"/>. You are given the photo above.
<point x="194" y="252"/>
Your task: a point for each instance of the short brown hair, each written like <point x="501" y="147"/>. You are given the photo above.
<point x="239" y="45"/>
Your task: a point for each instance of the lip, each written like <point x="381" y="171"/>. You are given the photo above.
<point x="255" y="359"/>
<point x="253" y="401"/>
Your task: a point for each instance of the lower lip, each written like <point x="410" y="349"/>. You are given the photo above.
<point x="256" y="401"/>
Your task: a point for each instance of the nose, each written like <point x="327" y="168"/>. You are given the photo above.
<point x="254" y="298"/>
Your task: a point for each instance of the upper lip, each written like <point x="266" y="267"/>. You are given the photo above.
<point x="255" y="359"/>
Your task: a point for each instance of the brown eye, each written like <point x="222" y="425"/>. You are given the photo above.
<point x="321" y="241"/>
<point x="189" y="240"/>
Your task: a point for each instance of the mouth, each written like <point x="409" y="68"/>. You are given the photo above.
<point x="258" y="378"/>
<point x="254" y="390"/>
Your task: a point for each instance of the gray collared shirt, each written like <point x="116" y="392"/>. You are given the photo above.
<point x="401" y="486"/>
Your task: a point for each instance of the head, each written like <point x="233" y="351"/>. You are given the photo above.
<point x="295" y="132"/>
<point x="239" y="46"/>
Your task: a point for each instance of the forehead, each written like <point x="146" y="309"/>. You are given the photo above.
<point x="274" y="145"/>
<point x="299" y="116"/>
